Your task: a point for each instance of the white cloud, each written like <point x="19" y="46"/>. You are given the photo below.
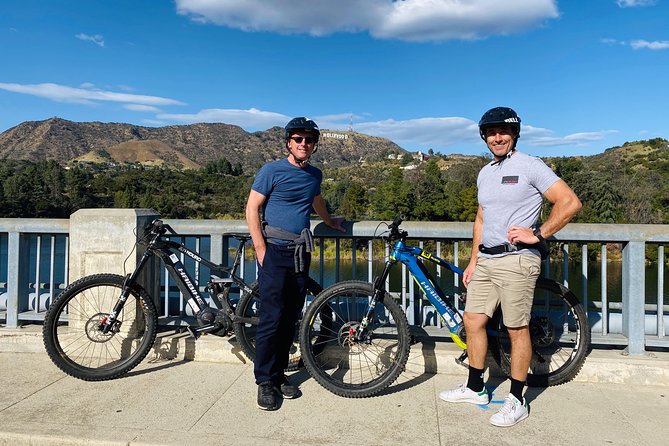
<point x="412" y="20"/>
<point x="459" y="134"/>
<point x="541" y="137"/>
<point x="62" y="93"/>
<point x="142" y="108"/>
<point x="635" y="3"/>
<point x="656" y="45"/>
<point x="639" y="44"/>
<point x="251" y="119"/>
<point x="96" y="39"/>
<point x="423" y="132"/>
<point x="610" y="41"/>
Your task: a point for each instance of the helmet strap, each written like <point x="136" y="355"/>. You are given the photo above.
<point x="301" y="161"/>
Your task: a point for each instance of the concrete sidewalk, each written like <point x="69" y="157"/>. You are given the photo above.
<point x="170" y="402"/>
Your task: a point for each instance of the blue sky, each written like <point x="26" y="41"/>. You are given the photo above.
<point x="583" y="75"/>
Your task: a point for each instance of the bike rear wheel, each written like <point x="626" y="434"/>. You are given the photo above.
<point x="344" y="365"/>
<point x="245" y="330"/>
<point x="72" y="328"/>
<point x="560" y="336"/>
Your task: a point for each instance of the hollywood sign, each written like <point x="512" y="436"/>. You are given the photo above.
<point x="334" y="135"/>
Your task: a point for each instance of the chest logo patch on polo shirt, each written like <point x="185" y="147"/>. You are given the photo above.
<point x="512" y="179"/>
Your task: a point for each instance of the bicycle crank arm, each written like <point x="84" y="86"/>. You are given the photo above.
<point x="195" y="332"/>
<point x="461" y="360"/>
<point x="246" y="320"/>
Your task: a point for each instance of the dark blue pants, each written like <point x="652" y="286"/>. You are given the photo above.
<point x="282" y="294"/>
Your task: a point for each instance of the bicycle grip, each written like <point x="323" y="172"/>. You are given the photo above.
<point x="398" y="220"/>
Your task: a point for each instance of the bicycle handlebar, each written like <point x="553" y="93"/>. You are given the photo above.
<point x="159" y="227"/>
<point x="395" y="232"/>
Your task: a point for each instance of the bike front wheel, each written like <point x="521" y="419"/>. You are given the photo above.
<point x="248" y="313"/>
<point x="73" y="335"/>
<point x="349" y="365"/>
<point x="559" y="332"/>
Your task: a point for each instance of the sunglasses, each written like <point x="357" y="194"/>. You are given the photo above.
<point x="307" y="140"/>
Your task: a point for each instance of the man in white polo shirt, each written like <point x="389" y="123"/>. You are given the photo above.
<point x="506" y="256"/>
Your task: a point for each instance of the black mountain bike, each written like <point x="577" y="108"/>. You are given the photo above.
<point x="102" y="326"/>
<point x="355" y="338"/>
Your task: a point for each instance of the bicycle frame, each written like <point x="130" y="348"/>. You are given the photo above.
<point x="167" y="251"/>
<point x="409" y="256"/>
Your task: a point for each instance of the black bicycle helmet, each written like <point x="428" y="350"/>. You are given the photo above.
<point x="302" y="124"/>
<point x="499" y="116"/>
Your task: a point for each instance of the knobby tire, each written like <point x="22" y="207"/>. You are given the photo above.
<point x="72" y="335"/>
<point x="560" y="336"/>
<point x="342" y="364"/>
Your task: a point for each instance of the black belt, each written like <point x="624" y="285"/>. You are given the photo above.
<point x="507" y="247"/>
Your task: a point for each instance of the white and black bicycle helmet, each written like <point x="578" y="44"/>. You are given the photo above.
<point x="499" y="116"/>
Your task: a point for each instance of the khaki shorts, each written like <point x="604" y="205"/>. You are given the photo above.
<point x="507" y="280"/>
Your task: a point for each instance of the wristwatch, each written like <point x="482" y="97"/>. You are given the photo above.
<point x="537" y="233"/>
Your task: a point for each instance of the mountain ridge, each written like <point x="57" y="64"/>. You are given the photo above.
<point x="183" y="145"/>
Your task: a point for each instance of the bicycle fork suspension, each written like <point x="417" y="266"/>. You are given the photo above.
<point x="110" y="322"/>
<point x="379" y="294"/>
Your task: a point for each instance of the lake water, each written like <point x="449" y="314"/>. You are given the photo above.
<point x="614" y="271"/>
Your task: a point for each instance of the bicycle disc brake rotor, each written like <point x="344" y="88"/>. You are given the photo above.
<point x="94" y="328"/>
<point x="346" y="337"/>
<point x="542" y="331"/>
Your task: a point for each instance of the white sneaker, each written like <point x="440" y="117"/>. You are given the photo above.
<point x="511" y="413"/>
<point x="463" y="394"/>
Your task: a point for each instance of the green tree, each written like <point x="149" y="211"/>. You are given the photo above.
<point x="429" y="192"/>
<point x="393" y="196"/>
<point x="354" y="203"/>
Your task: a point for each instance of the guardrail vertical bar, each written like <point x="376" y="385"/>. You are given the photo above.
<point x="52" y="267"/>
<point x="353" y="258"/>
<point x="634" y="286"/>
<point x="456" y="277"/>
<point x="17" y="276"/>
<point x="660" y="291"/>
<point x="337" y="257"/>
<point x="38" y="262"/>
<point x="218" y="249"/>
<point x="321" y="258"/>
<point x="604" y="296"/>
<point x="66" y="277"/>
<point x="584" y="275"/>
<point x="565" y="265"/>
<point x="370" y="260"/>
<point x="439" y="322"/>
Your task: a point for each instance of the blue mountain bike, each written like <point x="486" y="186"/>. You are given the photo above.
<point x="355" y="338"/>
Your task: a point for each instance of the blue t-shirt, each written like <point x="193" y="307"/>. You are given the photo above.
<point x="290" y="193"/>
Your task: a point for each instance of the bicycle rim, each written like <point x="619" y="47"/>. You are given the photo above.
<point x="73" y="336"/>
<point x="560" y="337"/>
<point x="347" y="366"/>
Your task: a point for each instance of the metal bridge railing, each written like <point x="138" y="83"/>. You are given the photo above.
<point x="34" y="269"/>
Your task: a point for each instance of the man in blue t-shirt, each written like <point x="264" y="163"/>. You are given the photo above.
<point x="278" y="215"/>
<point x="506" y="256"/>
